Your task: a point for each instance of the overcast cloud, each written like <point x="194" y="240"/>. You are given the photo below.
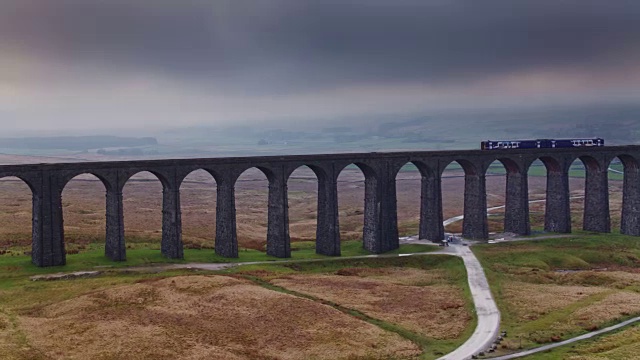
<point x="102" y="64"/>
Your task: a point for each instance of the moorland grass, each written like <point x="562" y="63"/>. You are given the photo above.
<point x="20" y="295"/>
<point x="621" y="344"/>
<point x="538" y="262"/>
<point x="454" y="269"/>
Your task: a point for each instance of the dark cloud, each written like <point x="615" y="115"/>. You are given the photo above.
<point x="283" y="46"/>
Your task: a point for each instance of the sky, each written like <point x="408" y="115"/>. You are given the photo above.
<point x="118" y="64"/>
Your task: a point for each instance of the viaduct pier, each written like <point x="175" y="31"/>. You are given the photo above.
<point x="380" y="232"/>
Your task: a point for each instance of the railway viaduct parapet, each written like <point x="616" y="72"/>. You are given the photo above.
<point x="380" y="232"/>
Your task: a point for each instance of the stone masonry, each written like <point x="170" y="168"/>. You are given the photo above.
<point x="380" y="232"/>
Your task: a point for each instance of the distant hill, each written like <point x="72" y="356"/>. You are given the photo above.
<point x="75" y="143"/>
<point x="616" y="124"/>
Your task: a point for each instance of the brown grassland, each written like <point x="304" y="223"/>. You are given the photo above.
<point x="436" y="311"/>
<point x="243" y="313"/>
<point x="198" y="317"/>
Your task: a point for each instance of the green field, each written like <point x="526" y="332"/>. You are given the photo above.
<point x="17" y="266"/>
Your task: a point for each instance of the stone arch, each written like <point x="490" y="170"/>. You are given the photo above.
<point x="185" y="172"/>
<point x="267" y="171"/>
<point x="474" y="222"/>
<point x="303" y="192"/>
<point x="143" y="203"/>
<point x="251" y="199"/>
<point x="367" y="169"/>
<point x="469" y="168"/>
<point x="551" y="164"/>
<point x="413" y="211"/>
<point x="198" y="193"/>
<point x="499" y="171"/>
<point x="23" y="179"/>
<point x="18" y="212"/>
<point x="164" y="181"/>
<point x="615" y="174"/>
<point x="590" y="163"/>
<point x="350" y="219"/>
<point x="594" y="191"/>
<point x="452" y="178"/>
<point x="64" y="181"/>
<point x="629" y="161"/>
<point x="510" y="165"/>
<point x="351" y="197"/>
<point x="424" y="168"/>
<point x="320" y="172"/>
<point x="536" y="174"/>
<point x="89" y="210"/>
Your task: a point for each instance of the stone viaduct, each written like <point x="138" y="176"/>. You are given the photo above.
<point x="380" y="232"/>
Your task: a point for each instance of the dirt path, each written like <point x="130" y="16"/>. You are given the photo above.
<point x="213" y="267"/>
<point x="486" y="308"/>
<point x="487" y="312"/>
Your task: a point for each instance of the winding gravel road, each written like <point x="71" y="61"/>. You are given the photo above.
<point x="486" y="309"/>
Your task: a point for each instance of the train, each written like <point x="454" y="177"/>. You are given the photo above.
<point x="540" y="143"/>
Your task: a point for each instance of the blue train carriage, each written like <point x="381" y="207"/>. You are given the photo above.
<point x="540" y="143"/>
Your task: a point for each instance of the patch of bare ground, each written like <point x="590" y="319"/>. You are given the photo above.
<point x="203" y="317"/>
<point x="435" y="311"/>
